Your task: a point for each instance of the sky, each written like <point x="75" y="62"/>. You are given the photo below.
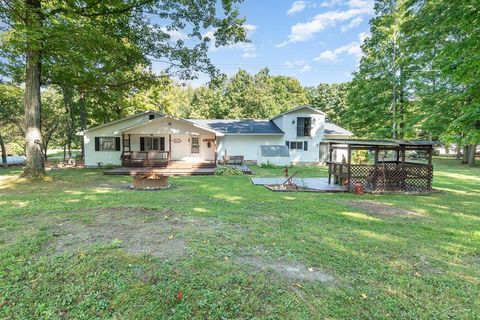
<point x="316" y="41"/>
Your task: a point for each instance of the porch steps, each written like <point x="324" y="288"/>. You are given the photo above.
<point x="190" y="165"/>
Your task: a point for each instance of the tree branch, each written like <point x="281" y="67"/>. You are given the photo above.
<point x="83" y="11"/>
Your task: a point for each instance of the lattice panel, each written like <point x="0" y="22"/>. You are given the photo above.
<point x="392" y="177"/>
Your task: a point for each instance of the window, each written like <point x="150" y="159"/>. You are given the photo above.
<point x="195" y="145"/>
<point x="296" y="145"/>
<point x="107" y="143"/>
<point x="304" y="126"/>
<point x="151" y="116"/>
<point x="152" y="144"/>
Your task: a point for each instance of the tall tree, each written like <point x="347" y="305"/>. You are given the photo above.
<point x="330" y="98"/>
<point x="40" y="31"/>
<point x="378" y="96"/>
<point x="444" y="36"/>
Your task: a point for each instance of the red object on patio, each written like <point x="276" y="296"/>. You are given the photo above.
<point x="359" y="188"/>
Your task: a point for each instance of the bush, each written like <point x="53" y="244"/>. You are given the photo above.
<point x="268" y="165"/>
<point x="228" y="171"/>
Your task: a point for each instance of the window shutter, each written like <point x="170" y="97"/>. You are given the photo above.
<point x="305" y="145"/>
<point x="142" y="144"/>
<point x="97" y="144"/>
<point x="288" y="144"/>
<point x="117" y="143"/>
<point x="162" y="143"/>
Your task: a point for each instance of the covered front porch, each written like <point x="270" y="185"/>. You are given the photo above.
<point x="168" y="141"/>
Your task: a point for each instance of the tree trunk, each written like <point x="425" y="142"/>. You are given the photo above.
<point x="4" y="152"/>
<point x="471" y="155"/>
<point x="35" y="167"/>
<point x="67" y="100"/>
<point x="83" y="119"/>
<point x="459" y="152"/>
<point x="466" y="150"/>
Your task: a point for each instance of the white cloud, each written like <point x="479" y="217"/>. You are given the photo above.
<point x="305" y="31"/>
<point x="300" y="65"/>
<point x="249" y="55"/>
<point x="327" y="55"/>
<point x="250" y="29"/>
<point x="360" y="4"/>
<point x="247" y="48"/>
<point x="353" y="24"/>
<point x="353" y="49"/>
<point x="297" y="7"/>
<point x="330" y="3"/>
<point x="175" y="34"/>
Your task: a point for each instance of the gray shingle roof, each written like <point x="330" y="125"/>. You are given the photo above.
<point x="331" y="128"/>
<point x="239" y="126"/>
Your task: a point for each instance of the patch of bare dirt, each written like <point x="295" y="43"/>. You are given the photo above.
<point x="289" y="270"/>
<point x="379" y="209"/>
<point x="138" y="231"/>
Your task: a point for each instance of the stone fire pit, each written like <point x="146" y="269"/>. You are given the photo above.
<point x="150" y="181"/>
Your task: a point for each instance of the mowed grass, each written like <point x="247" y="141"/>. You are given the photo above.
<point x="420" y="266"/>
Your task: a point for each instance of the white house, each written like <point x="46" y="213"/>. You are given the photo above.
<point x="154" y="139"/>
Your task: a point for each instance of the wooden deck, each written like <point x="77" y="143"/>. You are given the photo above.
<point x="173" y="169"/>
<point x="130" y="171"/>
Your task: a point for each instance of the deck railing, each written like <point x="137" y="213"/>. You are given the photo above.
<point x="145" y="158"/>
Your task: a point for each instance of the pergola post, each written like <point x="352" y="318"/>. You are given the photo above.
<point x="349" y="161"/>
<point x="377" y="150"/>
<point x="430" y="153"/>
<point x="402" y="149"/>
<point x="330" y="151"/>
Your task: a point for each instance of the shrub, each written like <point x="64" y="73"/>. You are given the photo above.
<point x="268" y="165"/>
<point x="228" y="171"/>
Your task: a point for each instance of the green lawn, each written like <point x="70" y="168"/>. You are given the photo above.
<point x="82" y="245"/>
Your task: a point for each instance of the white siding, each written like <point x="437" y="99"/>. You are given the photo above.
<point x="288" y="123"/>
<point x="245" y="145"/>
<point x="92" y="157"/>
<point x="158" y="127"/>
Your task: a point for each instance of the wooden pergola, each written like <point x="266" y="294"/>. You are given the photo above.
<point x="395" y="175"/>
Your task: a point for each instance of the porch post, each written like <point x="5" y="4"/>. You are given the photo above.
<point x="169" y="147"/>
<point x="216" y="155"/>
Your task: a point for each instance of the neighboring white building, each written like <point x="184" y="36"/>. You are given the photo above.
<point x="152" y="138"/>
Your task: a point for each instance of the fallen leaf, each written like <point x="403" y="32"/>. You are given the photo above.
<point x="226" y="258"/>
<point x="170" y="237"/>
<point x="311" y="269"/>
<point x="364" y="296"/>
<point x="297" y="285"/>
<point x="179" y="296"/>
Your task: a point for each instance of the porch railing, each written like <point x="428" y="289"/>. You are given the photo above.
<point x="145" y="158"/>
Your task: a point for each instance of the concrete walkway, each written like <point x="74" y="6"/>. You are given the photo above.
<point x="320" y="184"/>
